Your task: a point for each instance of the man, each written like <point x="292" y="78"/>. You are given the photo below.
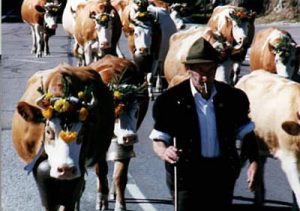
<point x="206" y="118"/>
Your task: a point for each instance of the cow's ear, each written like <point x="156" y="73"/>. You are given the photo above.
<point x="40" y="9"/>
<point x="291" y="128"/>
<point x="29" y="113"/>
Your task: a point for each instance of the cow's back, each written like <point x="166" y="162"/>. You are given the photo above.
<point x="180" y="42"/>
<point x="260" y="53"/>
<point x="273" y="101"/>
<point x="28" y="12"/>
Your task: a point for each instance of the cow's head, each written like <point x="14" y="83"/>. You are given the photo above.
<point x="50" y="11"/>
<point x="176" y="15"/>
<point x="64" y="115"/>
<point x="127" y="106"/>
<point x="286" y="53"/>
<point x="105" y="18"/>
<point x="142" y="24"/>
<point x="218" y="41"/>
<point x="241" y="23"/>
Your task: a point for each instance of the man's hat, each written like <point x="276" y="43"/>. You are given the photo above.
<point x="201" y="52"/>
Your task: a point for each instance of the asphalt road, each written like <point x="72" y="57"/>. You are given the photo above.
<point x="146" y="189"/>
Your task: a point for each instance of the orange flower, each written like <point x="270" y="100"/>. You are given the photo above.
<point x="48" y="112"/>
<point x="119" y="109"/>
<point x="68" y="136"/>
<point x="83" y="113"/>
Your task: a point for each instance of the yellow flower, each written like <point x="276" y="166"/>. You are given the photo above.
<point x="68" y="136"/>
<point x="118" y="95"/>
<point x="83" y="113"/>
<point x="48" y="112"/>
<point x="61" y="105"/>
<point x="48" y="96"/>
<point x="81" y="94"/>
<point x="142" y="14"/>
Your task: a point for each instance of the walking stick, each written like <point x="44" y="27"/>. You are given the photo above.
<point x="175" y="182"/>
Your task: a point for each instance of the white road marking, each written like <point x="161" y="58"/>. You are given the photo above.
<point x="135" y="192"/>
<point x="31" y="61"/>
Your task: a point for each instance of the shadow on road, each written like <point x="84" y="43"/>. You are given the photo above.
<point x="275" y="205"/>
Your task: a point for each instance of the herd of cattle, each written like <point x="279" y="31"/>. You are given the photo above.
<point x="68" y="115"/>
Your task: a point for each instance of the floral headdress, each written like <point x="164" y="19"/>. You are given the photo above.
<point x="239" y="15"/>
<point x="283" y="48"/>
<point x="124" y="94"/>
<point x="52" y="7"/>
<point x="73" y="108"/>
<point x="103" y="19"/>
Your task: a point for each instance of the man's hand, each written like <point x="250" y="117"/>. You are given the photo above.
<point x="252" y="175"/>
<point x="169" y="154"/>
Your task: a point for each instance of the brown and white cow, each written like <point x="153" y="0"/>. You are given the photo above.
<point x="97" y="30"/>
<point x="275" y="110"/>
<point x="131" y="103"/>
<point x="148" y="29"/>
<point x="236" y="25"/>
<point x="63" y="122"/>
<point x="41" y="15"/>
<point x="181" y="41"/>
<point x="275" y="50"/>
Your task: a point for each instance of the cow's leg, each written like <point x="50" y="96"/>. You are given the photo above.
<point x="119" y="52"/>
<point x="112" y="190"/>
<point x="102" y="184"/>
<point x="120" y="180"/>
<point x="289" y="165"/>
<point x="149" y="82"/>
<point x="46" y="44"/>
<point x="39" y="40"/>
<point x="236" y="68"/>
<point x="259" y="194"/>
<point x="88" y="53"/>
<point x="34" y="44"/>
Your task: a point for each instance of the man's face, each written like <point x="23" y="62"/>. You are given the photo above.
<point x="202" y="75"/>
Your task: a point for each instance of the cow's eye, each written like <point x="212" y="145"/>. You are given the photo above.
<point x="49" y="134"/>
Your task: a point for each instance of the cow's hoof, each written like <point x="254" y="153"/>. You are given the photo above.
<point x="119" y="207"/>
<point x="102" y="201"/>
<point x="112" y="196"/>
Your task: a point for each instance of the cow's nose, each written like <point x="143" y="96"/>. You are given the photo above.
<point x="143" y="50"/>
<point x="54" y="26"/>
<point x="130" y="138"/>
<point x="104" y="44"/>
<point x="66" y="170"/>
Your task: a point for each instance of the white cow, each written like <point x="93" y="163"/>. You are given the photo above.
<point x="275" y="110"/>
